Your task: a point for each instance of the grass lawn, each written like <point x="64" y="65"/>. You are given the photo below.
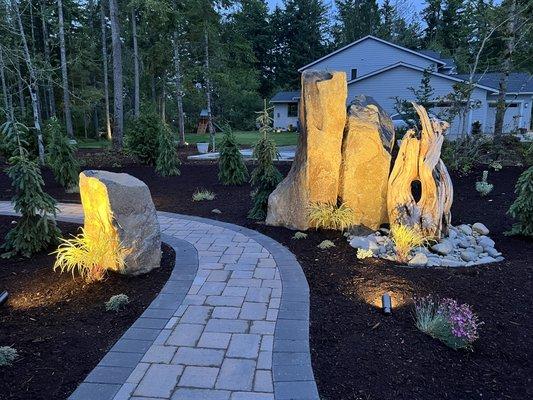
<point x="247" y="138"/>
<point x="93" y="143"/>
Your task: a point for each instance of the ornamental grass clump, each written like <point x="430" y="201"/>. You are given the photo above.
<point x="330" y="216"/>
<point x="7" y="355"/>
<point x="299" y="235"/>
<point x="522" y="208"/>
<point x="483" y="187"/>
<point x="91" y="254"/>
<point x="265" y="176"/>
<point x="453" y="324"/>
<point x="167" y="162"/>
<point x="61" y="155"/>
<point x="405" y="239"/>
<point x="231" y="167"/>
<point x="203" y="195"/>
<point x="326" y="244"/>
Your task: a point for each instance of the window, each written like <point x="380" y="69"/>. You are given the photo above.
<point x="293" y="110"/>
<point x="354" y="73"/>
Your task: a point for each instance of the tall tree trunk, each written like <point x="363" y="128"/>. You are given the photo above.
<point x="164" y="103"/>
<point x="208" y="91"/>
<point x="64" y="73"/>
<point x="506" y="69"/>
<point x="7" y="103"/>
<point x="34" y="93"/>
<point x="49" y="83"/>
<point x="118" y="129"/>
<point x="179" y="90"/>
<point x="20" y="85"/>
<point x="105" y="73"/>
<point x="136" y="88"/>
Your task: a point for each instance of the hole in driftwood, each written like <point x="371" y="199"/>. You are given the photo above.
<point x="416" y="190"/>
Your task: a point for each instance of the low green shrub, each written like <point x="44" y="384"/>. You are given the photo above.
<point x="7" y="355"/>
<point x="117" y="302"/>
<point x="142" y="136"/>
<point x="326" y="244"/>
<point x="522" y="208"/>
<point x="483" y="187"/>
<point x="299" y="235"/>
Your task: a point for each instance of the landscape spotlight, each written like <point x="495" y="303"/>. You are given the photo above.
<point x="386" y="303"/>
<point x="3" y="296"/>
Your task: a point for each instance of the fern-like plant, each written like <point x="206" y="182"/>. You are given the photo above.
<point x="90" y="254"/>
<point x="168" y="162"/>
<point x="522" y="208"/>
<point x="405" y="239"/>
<point x="330" y="216"/>
<point x="36" y="229"/>
<point x="231" y="167"/>
<point x="265" y="176"/>
<point x="61" y="155"/>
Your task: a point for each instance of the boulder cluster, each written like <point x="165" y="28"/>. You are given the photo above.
<point x="465" y="246"/>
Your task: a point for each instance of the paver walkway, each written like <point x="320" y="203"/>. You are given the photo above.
<point x="231" y="323"/>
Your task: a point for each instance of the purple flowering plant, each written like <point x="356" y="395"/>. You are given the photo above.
<point x="454" y="324"/>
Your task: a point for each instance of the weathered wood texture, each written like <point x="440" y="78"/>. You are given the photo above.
<point x="419" y="160"/>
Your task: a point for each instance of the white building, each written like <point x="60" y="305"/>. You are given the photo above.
<point x="384" y="70"/>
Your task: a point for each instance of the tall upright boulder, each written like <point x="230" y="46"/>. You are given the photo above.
<point x="366" y="158"/>
<point x="314" y="176"/>
<point x="120" y="206"/>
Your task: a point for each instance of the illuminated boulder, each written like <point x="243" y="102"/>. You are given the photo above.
<point x="314" y="175"/>
<point x="120" y="206"/>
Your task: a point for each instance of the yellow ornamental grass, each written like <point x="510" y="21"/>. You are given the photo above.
<point x="330" y="216"/>
<point x="90" y="254"/>
<point x="405" y="239"/>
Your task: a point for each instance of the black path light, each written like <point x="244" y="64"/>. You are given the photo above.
<point x="3" y="297"/>
<point x="386" y="303"/>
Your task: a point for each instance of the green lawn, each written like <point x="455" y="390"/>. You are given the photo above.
<point x="245" y="139"/>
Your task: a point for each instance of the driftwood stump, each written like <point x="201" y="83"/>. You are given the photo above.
<point x="419" y="160"/>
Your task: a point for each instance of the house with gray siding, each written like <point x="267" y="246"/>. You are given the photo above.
<point x="385" y="71"/>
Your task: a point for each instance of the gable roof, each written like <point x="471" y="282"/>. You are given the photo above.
<point x="517" y="83"/>
<point x="286" y="97"/>
<point x="370" y="37"/>
<point x="454" y="78"/>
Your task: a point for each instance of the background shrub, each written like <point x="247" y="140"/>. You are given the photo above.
<point x="522" y="208"/>
<point x="231" y="167"/>
<point x="168" y="162"/>
<point x="142" y="136"/>
<point x="61" y="154"/>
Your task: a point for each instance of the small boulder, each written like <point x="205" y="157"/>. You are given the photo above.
<point x="478" y="227"/>
<point x="360" y="242"/>
<point x="418" y="260"/>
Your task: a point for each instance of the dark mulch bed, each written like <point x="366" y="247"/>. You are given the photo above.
<point x="357" y="352"/>
<point x="59" y="325"/>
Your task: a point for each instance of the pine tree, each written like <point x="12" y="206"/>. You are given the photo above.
<point x="231" y="167"/>
<point x="168" y="162"/>
<point x="36" y="229"/>
<point x="265" y="176"/>
<point x="61" y="155"/>
<point x="356" y="18"/>
<point x="522" y="208"/>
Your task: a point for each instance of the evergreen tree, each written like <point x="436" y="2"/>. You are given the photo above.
<point x="36" y="229"/>
<point x="522" y="208"/>
<point x="231" y="167"/>
<point x="61" y="155"/>
<point x="265" y="176"/>
<point x="432" y="16"/>
<point x="356" y="19"/>
<point x="168" y="162"/>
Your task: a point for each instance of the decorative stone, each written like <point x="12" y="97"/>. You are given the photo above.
<point x="491" y="251"/>
<point x="448" y="262"/>
<point x="418" y="260"/>
<point x="485" y="241"/>
<point x="121" y="206"/>
<point x="485" y="260"/>
<point x="467" y="230"/>
<point x="467" y="255"/>
<point x="368" y="140"/>
<point x="478" y="227"/>
<point x="359" y="242"/>
<point x="314" y="175"/>
<point x="443" y="248"/>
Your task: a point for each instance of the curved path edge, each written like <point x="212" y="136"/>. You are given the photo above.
<point x="291" y="361"/>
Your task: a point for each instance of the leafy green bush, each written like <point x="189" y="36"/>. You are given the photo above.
<point x="117" y="302"/>
<point x="61" y="154"/>
<point x="168" y="162"/>
<point x="522" y="208"/>
<point x="36" y="229"/>
<point x="231" y="167"/>
<point x="464" y="153"/>
<point x="265" y="176"/>
<point x="7" y="355"/>
<point x="142" y="137"/>
<point x="330" y="216"/>
<point x="506" y="149"/>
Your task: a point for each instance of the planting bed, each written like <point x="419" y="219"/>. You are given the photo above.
<point x="357" y="352"/>
<point x="59" y="325"/>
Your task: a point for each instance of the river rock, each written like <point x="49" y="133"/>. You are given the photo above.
<point x="443" y="248"/>
<point x="485" y="241"/>
<point x="315" y="172"/>
<point x="121" y="206"/>
<point x="465" y="229"/>
<point x="418" y="260"/>
<point x="491" y="251"/>
<point x="367" y="143"/>
<point x="359" y="242"/>
<point x="479" y="228"/>
<point x="467" y="255"/>
<point x="485" y="260"/>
